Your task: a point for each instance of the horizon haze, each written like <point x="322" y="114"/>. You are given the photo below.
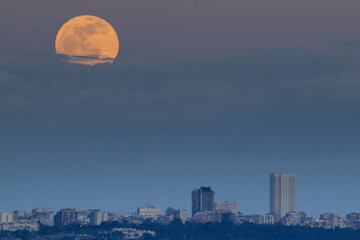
<point x="202" y="93"/>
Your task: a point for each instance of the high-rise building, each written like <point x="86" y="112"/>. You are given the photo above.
<point x="97" y="217"/>
<point x="66" y="216"/>
<point x="6" y="217"/>
<point x="202" y="200"/>
<point x="282" y="193"/>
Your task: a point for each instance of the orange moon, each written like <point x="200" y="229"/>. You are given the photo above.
<point x="87" y="40"/>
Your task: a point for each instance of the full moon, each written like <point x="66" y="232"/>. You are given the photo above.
<point x="87" y="40"/>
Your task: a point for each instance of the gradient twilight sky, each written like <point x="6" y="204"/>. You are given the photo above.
<point x="204" y="92"/>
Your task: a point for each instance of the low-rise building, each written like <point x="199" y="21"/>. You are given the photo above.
<point x="149" y="212"/>
<point x="170" y="212"/>
<point x="267" y="219"/>
<point x="293" y="218"/>
<point x="333" y="221"/>
<point x="203" y="217"/>
<point x="253" y="218"/>
<point x="20" y="226"/>
<point x="18" y="215"/>
<point x="226" y="207"/>
<point x="177" y="213"/>
<point x="43" y="215"/>
<point x="182" y="215"/>
<point x="225" y="217"/>
<point x="353" y="220"/>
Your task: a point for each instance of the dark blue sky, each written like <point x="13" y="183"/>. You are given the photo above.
<point x="202" y="93"/>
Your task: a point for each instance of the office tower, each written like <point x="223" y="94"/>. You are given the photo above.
<point x="202" y="200"/>
<point x="282" y="193"/>
<point x="66" y="216"/>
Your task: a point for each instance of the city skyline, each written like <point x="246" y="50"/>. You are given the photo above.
<point x="95" y="223"/>
<point x="281" y="200"/>
<point x="204" y="210"/>
<point x="194" y="93"/>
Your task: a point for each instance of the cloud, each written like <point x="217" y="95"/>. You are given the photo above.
<point x="217" y="90"/>
<point x="342" y="89"/>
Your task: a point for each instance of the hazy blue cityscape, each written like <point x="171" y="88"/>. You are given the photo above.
<point x="204" y="209"/>
<point x="179" y="120"/>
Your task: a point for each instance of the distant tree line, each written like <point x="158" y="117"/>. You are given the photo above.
<point x="247" y="231"/>
<point x="193" y="231"/>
